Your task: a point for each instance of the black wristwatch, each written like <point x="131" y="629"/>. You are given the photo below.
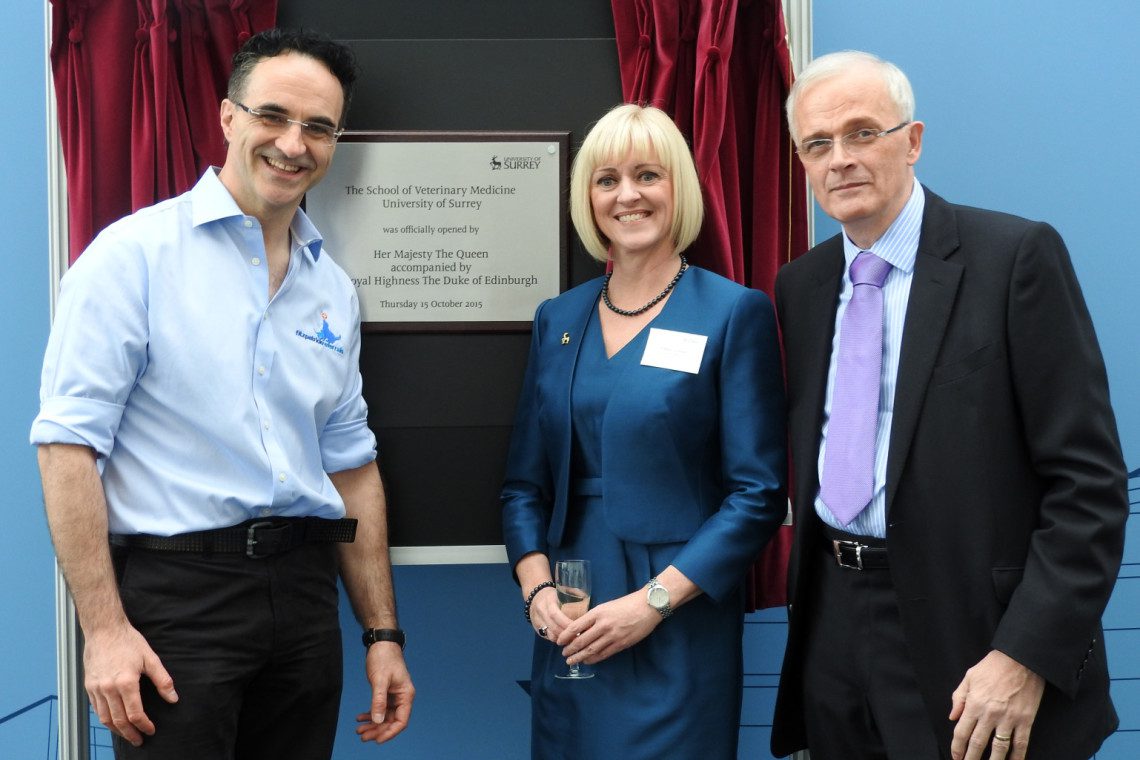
<point x="395" y="635"/>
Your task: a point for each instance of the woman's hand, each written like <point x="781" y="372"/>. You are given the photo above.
<point x="545" y="613"/>
<point x="533" y="570"/>
<point x="607" y="629"/>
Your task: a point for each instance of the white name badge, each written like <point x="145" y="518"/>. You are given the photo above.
<point x="670" y="349"/>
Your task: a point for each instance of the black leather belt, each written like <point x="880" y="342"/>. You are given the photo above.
<point x="856" y="552"/>
<point x="253" y="538"/>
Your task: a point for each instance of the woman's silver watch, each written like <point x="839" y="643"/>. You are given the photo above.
<point x="658" y="597"/>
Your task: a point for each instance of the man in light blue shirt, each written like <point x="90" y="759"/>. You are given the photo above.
<point x="201" y="403"/>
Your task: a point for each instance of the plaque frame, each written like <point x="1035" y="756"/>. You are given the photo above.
<point x="473" y="325"/>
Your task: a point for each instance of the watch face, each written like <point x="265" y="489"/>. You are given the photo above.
<point x="658" y="597"/>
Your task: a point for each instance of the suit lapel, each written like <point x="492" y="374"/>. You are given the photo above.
<point x="932" y="294"/>
<point x="816" y="328"/>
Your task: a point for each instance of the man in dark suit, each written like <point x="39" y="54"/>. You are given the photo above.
<point x="960" y="495"/>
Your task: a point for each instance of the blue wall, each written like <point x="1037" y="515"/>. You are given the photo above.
<point x="27" y="644"/>
<point x="1021" y="100"/>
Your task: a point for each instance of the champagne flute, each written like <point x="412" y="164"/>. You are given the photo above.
<point x="572" y="584"/>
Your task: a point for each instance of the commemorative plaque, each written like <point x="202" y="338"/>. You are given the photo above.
<point x="447" y="231"/>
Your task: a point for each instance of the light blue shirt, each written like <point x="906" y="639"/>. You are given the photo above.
<point x="899" y="246"/>
<point x="207" y="403"/>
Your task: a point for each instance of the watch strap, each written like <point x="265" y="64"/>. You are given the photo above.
<point x="395" y="635"/>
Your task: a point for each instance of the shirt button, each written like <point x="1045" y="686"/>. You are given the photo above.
<point x="266" y="511"/>
<point x="266" y="425"/>
<point x="248" y="222"/>
<point x="281" y="477"/>
<point x="255" y="261"/>
<point x="261" y="370"/>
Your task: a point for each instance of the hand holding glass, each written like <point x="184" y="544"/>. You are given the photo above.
<point x="572" y="583"/>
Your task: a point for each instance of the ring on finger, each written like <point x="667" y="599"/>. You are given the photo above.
<point x="1002" y="737"/>
<point x="542" y="631"/>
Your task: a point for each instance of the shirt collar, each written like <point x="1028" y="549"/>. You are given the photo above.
<point x="212" y="202"/>
<point x="898" y="246"/>
<point x="306" y="235"/>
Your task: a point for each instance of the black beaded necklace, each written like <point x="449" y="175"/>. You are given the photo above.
<point x="651" y="304"/>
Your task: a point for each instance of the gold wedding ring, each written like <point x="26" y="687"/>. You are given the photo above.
<point x="1002" y="738"/>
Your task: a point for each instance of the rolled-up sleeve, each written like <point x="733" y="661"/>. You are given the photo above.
<point x="97" y="348"/>
<point x="346" y="441"/>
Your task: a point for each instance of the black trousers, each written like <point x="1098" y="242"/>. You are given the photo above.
<point x="253" y="646"/>
<point x="861" y="697"/>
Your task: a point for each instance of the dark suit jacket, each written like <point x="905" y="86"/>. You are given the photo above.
<point x="1006" y="489"/>
<point x="697" y="458"/>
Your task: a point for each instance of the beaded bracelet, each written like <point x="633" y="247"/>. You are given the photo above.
<point x="531" y="595"/>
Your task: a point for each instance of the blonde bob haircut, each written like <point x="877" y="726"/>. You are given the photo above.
<point x="650" y="135"/>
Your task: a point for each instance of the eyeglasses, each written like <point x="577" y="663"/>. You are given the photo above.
<point x="313" y="130"/>
<point x="853" y="142"/>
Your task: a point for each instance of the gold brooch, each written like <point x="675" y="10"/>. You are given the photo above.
<point x="565" y="338"/>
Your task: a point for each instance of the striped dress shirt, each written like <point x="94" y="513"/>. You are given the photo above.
<point x="899" y="246"/>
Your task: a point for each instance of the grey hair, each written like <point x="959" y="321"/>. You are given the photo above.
<point x="835" y="64"/>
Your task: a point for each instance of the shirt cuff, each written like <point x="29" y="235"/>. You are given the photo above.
<point x="346" y="445"/>
<point x="81" y="421"/>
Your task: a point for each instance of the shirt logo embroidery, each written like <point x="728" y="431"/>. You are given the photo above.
<point x="324" y="336"/>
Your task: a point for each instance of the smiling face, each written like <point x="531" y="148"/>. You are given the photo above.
<point x="268" y="170"/>
<point x="864" y="192"/>
<point x="632" y="201"/>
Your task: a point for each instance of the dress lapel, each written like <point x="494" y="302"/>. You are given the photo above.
<point x="565" y="360"/>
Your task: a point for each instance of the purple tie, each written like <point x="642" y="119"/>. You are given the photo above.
<point x="849" y="461"/>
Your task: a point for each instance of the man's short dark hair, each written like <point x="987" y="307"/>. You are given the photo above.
<point x="337" y="58"/>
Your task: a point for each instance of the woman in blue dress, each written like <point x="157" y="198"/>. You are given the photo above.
<point x="649" y="440"/>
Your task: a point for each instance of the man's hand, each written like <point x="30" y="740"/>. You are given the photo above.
<point x="995" y="705"/>
<point x="115" y="655"/>
<point x="113" y="662"/>
<point x="392" y="693"/>
<point x="367" y="574"/>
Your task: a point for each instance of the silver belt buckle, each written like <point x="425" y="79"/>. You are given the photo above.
<point x="853" y="548"/>
<point x="251" y="539"/>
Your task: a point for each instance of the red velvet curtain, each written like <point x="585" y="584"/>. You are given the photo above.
<point x="721" y="69"/>
<point x="137" y="89"/>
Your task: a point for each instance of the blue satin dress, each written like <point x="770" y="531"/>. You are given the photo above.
<point x="677" y="693"/>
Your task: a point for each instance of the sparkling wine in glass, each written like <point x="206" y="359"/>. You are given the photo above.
<point x="572" y="583"/>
